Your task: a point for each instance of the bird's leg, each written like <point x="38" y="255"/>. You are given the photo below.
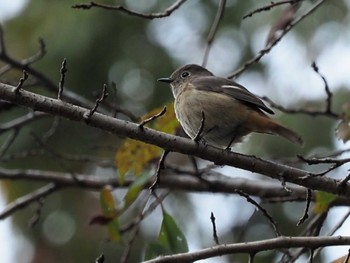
<point x="228" y="148"/>
<point x="198" y="136"/>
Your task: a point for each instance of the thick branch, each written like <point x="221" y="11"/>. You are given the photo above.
<point x="171" y="142"/>
<point x="216" y="183"/>
<point x="255" y="247"/>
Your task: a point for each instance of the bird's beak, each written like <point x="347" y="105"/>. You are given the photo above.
<point x="166" y="80"/>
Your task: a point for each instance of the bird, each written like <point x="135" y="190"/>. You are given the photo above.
<point x="220" y="111"/>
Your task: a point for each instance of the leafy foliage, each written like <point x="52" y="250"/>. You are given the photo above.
<point x="134" y="156"/>
<point x="170" y="240"/>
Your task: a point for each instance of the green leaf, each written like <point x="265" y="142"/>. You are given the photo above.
<point x="135" y="189"/>
<point x="323" y="200"/>
<point x="110" y="212"/>
<point x="171" y="237"/>
<point x="153" y="250"/>
<point x="170" y="240"/>
<point x="114" y="232"/>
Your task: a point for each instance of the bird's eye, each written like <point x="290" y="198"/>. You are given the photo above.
<point x="185" y="74"/>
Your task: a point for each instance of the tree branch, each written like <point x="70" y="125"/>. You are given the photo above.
<point x="215" y="183"/>
<point x="165" y="13"/>
<point x="256" y="246"/>
<point x="28" y="199"/>
<point x="171" y="142"/>
<point x="268" y="48"/>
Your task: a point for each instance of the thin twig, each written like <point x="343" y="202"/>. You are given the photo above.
<point x="307" y="205"/>
<point x="115" y="108"/>
<point x="268" y="48"/>
<point x="312" y="113"/>
<point x="52" y="129"/>
<point x="312" y="161"/>
<point x="38" y="76"/>
<point x="63" y="72"/>
<point x="134" y="230"/>
<point x="262" y="210"/>
<point x="100" y="259"/>
<point x="167" y="12"/>
<point x="7" y="144"/>
<point x="311" y="256"/>
<point x="36" y="216"/>
<point x="25" y="200"/>
<point x="145" y="213"/>
<point x="104" y="94"/>
<point x="284" y="185"/>
<point x="215" y="235"/>
<point x="329" y="94"/>
<point x="313" y="229"/>
<point x="335" y="229"/>
<point x="38" y="55"/>
<point x="270" y="6"/>
<point x="135" y="225"/>
<point x="344" y="181"/>
<point x="156" y="182"/>
<point x="21" y="81"/>
<point x="21" y="121"/>
<point x="326" y="87"/>
<point x="213" y="30"/>
<point x="144" y="122"/>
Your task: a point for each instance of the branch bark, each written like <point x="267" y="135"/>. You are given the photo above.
<point x="171" y="142"/>
<point x="255" y="247"/>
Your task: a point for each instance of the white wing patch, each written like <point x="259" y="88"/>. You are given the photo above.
<point x="231" y="87"/>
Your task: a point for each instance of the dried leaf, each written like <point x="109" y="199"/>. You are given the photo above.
<point x="283" y="22"/>
<point x="343" y="129"/>
<point x="100" y="220"/>
<point x="133" y="156"/>
<point x="107" y="203"/>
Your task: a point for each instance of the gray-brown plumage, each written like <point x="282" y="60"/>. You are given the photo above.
<point x="230" y="110"/>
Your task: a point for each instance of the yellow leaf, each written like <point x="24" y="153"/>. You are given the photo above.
<point x="133" y="156"/>
<point x="323" y="200"/>
<point x="107" y="203"/>
<point x="114" y="232"/>
<point x="110" y="213"/>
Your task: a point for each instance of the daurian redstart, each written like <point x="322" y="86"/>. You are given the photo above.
<point x="230" y="110"/>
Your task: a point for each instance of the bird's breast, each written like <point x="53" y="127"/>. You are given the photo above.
<point x="223" y="114"/>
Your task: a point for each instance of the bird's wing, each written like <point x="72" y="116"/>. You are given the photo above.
<point x="232" y="89"/>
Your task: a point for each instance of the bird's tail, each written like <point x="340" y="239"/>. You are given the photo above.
<point x="285" y="132"/>
<point x="263" y="124"/>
